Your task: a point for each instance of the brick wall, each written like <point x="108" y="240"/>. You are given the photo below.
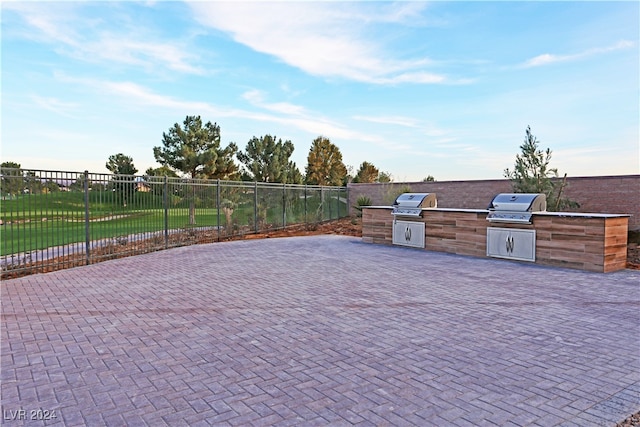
<point x="597" y="194"/>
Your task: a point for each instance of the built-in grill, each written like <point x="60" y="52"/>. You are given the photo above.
<point x="411" y="204"/>
<point x="516" y="207"/>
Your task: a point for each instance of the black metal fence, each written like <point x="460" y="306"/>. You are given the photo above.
<point x="54" y="219"/>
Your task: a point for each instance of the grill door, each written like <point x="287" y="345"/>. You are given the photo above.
<point x="511" y="243"/>
<point x="409" y="233"/>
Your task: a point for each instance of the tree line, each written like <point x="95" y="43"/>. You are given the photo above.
<point x="193" y="149"/>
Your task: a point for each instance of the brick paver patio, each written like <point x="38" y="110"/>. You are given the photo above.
<point x="322" y="330"/>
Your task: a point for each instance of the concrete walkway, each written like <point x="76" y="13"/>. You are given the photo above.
<point x="320" y="330"/>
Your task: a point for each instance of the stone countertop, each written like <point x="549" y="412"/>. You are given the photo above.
<point x="480" y="211"/>
<point x="582" y="214"/>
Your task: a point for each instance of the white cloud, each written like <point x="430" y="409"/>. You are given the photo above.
<point x="322" y="39"/>
<point x="256" y="98"/>
<point x="55" y="105"/>
<point x="144" y="53"/>
<point x="282" y="113"/>
<point x="79" y="35"/>
<point x="547" y="58"/>
<point x="390" y="120"/>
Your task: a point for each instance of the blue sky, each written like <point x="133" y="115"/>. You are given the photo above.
<point x="417" y="88"/>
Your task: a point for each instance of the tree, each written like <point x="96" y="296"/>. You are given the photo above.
<point x="428" y="178"/>
<point x="367" y="173"/>
<point x="266" y="160"/>
<point x="194" y="150"/>
<point x="123" y="181"/>
<point x="12" y="178"/>
<point x="324" y="163"/>
<point x="532" y="174"/>
<point x="161" y="171"/>
<point x="384" y="177"/>
<point x="120" y="164"/>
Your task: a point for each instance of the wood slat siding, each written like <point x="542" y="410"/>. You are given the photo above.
<point x="615" y="244"/>
<point x="462" y="233"/>
<point x="593" y="244"/>
<point x="377" y="226"/>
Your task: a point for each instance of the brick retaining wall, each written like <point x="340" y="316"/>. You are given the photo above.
<point x="596" y="194"/>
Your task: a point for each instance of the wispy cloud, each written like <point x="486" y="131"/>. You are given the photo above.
<point x="390" y="120"/>
<point x="55" y="105"/>
<point x="324" y="40"/>
<point x="436" y="137"/>
<point x="289" y="115"/>
<point x="77" y="33"/>
<point x="143" y="53"/>
<point x="547" y="58"/>
<point x="257" y="98"/>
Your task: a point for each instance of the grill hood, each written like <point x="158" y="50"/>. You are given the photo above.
<point x="516" y="207"/>
<point x="411" y="204"/>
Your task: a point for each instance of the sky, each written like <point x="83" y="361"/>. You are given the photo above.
<point x="441" y="89"/>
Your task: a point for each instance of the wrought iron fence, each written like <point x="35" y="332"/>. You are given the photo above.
<point x="54" y="219"/>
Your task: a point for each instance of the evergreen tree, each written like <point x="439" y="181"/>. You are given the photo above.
<point x="367" y="173"/>
<point x="194" y="149"/>
<point x="123" y="181"/>
<point x="12" y="182"/>
<point x="266" y="160"/>
<point x="324" y="163"/>
<point x="532" y="174"/>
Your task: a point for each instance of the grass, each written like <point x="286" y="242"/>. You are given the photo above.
<point x="38" y="221"/>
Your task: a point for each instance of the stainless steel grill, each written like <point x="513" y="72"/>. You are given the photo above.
<point x="516" y="207"/>
<point x="411" y="204"/>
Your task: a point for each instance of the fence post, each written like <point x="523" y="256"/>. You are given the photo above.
<point x="321" y="204"/>
<point x="218" y="205"/>
<point x="165" y="203"/>
<point x="255" y="206"/>
<point x="306" y="221"/>
<point x="86" y="217"/>
<point x="347" y="197"/>
<point x="284" y="204"/>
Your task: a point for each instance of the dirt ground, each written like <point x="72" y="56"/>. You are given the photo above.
<point x="344" y="226"/>
<point x="632" y="421"/>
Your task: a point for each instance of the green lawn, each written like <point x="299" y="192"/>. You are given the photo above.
<point x="33" y="222"/>
<point x="38" y="221"/>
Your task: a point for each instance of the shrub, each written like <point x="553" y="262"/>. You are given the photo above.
<point x="361" y="201"/>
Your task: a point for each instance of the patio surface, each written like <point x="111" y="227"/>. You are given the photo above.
<point x="320" y="330"/>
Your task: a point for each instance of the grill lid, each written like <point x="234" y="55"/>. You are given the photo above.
<point x="411" y="204"/>
<point x="416" y="200"/>
<point x="519" y="202"/>
<point x="516" y="207"/>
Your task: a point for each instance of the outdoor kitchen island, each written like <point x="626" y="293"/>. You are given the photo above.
<point x="585" y="241"/>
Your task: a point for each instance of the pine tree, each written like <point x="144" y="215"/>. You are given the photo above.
<point x="532" y="174"/>
<point x="367" y="173"/>
<point x="324" y="164"/>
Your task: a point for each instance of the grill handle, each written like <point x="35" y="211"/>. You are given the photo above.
<point x="510" y="244"/>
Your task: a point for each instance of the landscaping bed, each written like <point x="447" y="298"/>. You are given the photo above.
<point x="349" y="226"/>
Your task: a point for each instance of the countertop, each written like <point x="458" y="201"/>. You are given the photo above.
<point x="484" y="211"/>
